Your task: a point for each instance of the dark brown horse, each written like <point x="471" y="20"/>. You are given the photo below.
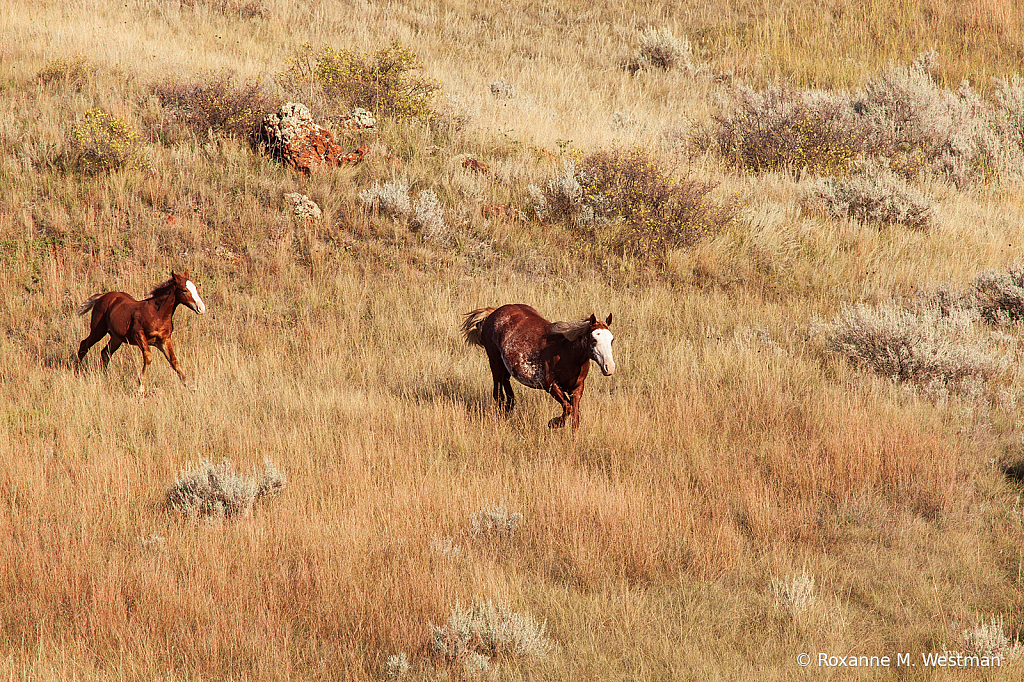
<point x="140" y="323"/>
<point x="554" y="357"/>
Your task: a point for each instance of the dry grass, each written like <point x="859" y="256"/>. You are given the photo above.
<point x="735" y="495"/>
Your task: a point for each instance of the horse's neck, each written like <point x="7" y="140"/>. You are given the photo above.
<point x="577" y="350"/>
<point x="165" y="304"/>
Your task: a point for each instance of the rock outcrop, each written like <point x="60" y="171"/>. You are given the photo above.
<point x="292" y="137"/>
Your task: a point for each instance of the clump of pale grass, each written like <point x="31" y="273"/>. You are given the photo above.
<point x="424" y="213"/>
<point x="152" y="540"/>
<point x="922" y="347"/>
<point x="999" y="296"/>
<point x="502" y="89"/>
<point x="661" y="49"/>
<point x="796" y="592"/>
<point x="445" y="546"/>
<point x="875" y="195"/>
<point x="494" y="523"/>
<point x="428" y="216"/>
<point x="389" y="198"/>
<point x="990" y="640"/>
<point x="396" y="667"/>
<point x="211" y="490"/>
<point x="485" y="631"/>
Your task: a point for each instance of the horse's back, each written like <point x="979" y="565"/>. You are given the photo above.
<point x="110" y="308"/>
<point x="515" y="320"/>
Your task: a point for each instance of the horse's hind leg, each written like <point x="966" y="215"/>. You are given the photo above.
<point x="112" y="346"/>
<point x="503" y="392"/>
<point x="147" y="357"/>
<point x="88" y="342"/>
<point x="502" y="386"/>
<point x="510" y="397"/>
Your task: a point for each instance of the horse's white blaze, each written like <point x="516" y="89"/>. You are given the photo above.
<point x="602" y="353"/>
<point x="200" y="306"/>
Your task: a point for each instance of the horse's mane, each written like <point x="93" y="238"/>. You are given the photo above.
<point x="162" y="289"/>
<point x="571" y="330"/>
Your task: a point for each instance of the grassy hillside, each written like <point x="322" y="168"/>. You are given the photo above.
<point x="810" y="444"/>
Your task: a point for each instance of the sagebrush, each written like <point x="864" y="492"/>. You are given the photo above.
<point x="210" y="490"/>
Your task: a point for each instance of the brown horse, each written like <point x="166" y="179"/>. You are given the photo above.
<point x="140" y="323"/>
<point x="554" y="357"/>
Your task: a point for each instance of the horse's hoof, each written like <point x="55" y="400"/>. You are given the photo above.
<point x="556" y="423"/>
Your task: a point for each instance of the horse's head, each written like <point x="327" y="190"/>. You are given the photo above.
<point x="186" y="292"/>
<point x="600" y="339"/>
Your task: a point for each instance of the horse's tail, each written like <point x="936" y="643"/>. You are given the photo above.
<point x="89" y="304"/>
<point x="472" y="326"/>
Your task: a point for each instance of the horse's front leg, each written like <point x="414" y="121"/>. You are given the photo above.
<point x="575" y="407"/>
<point x="566" y="403"/>
<point x="167" y="348"/>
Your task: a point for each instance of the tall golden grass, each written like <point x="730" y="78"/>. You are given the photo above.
<point x="727" y="454"/>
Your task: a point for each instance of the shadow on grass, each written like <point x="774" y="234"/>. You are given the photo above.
<point x="470" y="396"/>
<point x="1014" y="470"/>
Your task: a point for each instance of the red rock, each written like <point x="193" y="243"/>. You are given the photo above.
<point x="292" y="136"/>
<point x="474" y="165"/>
<point x="499" y="211"/>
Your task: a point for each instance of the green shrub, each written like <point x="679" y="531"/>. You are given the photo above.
<point x="101" y="142"/>
<point x="918" y="125"/>
<point x="935" y="350"/>
<point x="902" y="117"/>
<point x="627" y="197"/>
<point x="74" y="73"/>
<point x="382" y="82"/>
<point x="214" y="101"/>
<point x="875" y="195"/>
<point x="781" y="129"/>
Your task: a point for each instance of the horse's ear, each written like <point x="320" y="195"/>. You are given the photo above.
<point x="593" y="319"/>
<point x="608" y="322"/>
<point x="186" y="276"/>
